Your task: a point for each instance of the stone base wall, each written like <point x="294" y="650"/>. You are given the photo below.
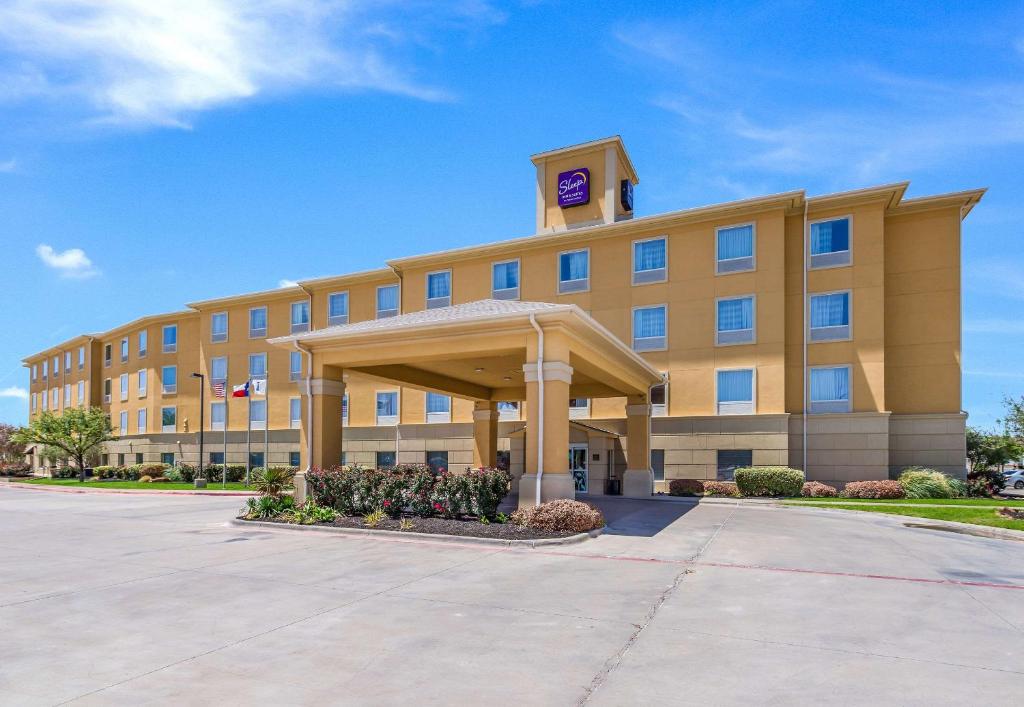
<point x="937" y="441"/>
<point x="361" y="444"/>
<point x="842" y="447"/>
<point x="186" y="447"/>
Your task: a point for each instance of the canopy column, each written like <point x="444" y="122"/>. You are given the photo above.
<point x="556" y="482"/>
<point x="320" y="431"/>
<point x="638" y="481"/>
<point x="485" y="434"/>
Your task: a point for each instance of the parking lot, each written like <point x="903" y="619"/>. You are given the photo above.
<point x="121" y="599"/>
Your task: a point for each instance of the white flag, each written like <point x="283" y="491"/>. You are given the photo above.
<point x="259" y="386"/>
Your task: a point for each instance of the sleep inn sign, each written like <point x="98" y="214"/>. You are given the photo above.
<point x="574" y="187"/>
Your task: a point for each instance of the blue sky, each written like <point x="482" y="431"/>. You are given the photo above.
<point x="284" y="139"/>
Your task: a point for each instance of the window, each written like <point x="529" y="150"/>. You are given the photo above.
<point x="387" y="301"/>
<point x="337" y="308"/>
<point x="140" y="421"/>
<point x="735" y="391"/>
<point x="659" y="400"/>
<point x="123" y="420"/>
<point x="124" y="350"/>
<point x="387" y="408"/>
<point x="830" y="243"/>
<point x="830" y="389"/>
<point x="508" y="410"/>
<point x="294" y="412"/>
<point x="734" y="321"/>
<point x="124" y="387"/>
<point x="257" y="414"/>
<point x="439" y="408"/>
<point x="46" y="402"/>
<point x="219" y="327"/>
<point x="504" y="460"/>
<point x="300" y="316"/>
<point x="505" y="280"/>
<point x="649" y="328"/>
<point x="107" y="356"/>
<point x="55" y="398"/>
<point x="67" y="394"/>
<point x="658" y="464"/>
<point x="650" y="262"/>
<point x="81" y="357"/>
<point x="216" y="457"/>
<point x="120" y="459"/>
<point x="217" y="412"/>
<point x="35" y="371"/>
<point x="294" y="365"/>
<point x="579" y="407"/>
<point x="257" y="365"/>
<point x="67" y="362"/>
<point x="729" y="460"/>
<point x="170" y="340"/>
<point x="56" y="366"/>
<point x="168" y="419"/>
<point x="830" y="316"/>
<point x="257" y="322"/>
<point x="169" y="379"/>
<point x="294" y="459"/>
<point x="385" y="460"/>
<point x="35" y="401"/>
<point x="255" y="460"/>
<point x="219" y="369"/>
<point x="81" y="393"/>
<point x="167" y="458"/>
<point x="437" y="461"/>
<point x="344" y="409"/>
<point x="142" y="382"/>
<point x="106" y="390"/>
<point x="138" y="457"/>
<point x="574" y="271"/>
<point x="734" y="249"/>
<point x="143" y="343"/>
<point x="439" y="289"/>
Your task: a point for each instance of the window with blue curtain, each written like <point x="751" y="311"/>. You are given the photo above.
<point x="257" y="365"/>
<point x="258" y="319"/>
<point x="387" y="404"/>
<point x="830" y="236"/>
<point x="170" y="338"/>
<point x="830" y="310"/>
<point x="649" y="255"/>
<point x="506" y="275"/>
<point x="438" y="403"/>
<point x="337" y="305"/>
<point x="736" y="242"/>
<point x="736" y="314"/>
<point x="439" y="285"/>
<point x="573" y="266"/>
<point x="649" y="322"/>
<point x="830" y="384"/>
<point x="387" y="298"/>
<point x="736" y="386"/>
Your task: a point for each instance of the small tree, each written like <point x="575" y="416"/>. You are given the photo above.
<point x="77" y="432"/>
<point x="9" y="449"/>
<point x="990" y="449"/>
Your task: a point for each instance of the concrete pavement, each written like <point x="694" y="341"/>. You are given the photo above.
<point x="111" y="599"/>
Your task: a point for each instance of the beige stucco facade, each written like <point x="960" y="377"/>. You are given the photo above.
<point x="902" y="345"/>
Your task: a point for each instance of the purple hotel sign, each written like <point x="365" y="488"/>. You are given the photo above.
<point x="574" y="187"/>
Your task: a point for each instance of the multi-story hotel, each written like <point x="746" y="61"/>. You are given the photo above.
<point x="704" y="339"/>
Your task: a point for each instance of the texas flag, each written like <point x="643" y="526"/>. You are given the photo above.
<point x="240" y="391"/>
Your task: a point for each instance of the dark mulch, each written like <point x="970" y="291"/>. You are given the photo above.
<point x="469" y="528"/>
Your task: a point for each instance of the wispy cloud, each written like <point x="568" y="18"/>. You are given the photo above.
<point x="71" y="263"/>
<point x="994" y="326"/>
<point x="142" y="62"/>
<point x="287" y="283"/>
<point x="983" y="373"/>
<point x="14" y="392"/>
<point x="9" y="165"/>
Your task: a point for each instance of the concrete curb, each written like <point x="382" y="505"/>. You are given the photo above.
<point x="128" y="492"/>
<point x="918" y="523"/>
<point x="396" y="534"/>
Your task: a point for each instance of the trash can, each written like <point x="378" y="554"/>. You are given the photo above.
<point x="613" y="487"/>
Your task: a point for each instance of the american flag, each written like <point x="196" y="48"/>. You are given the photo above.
<point x="218" y="389"/>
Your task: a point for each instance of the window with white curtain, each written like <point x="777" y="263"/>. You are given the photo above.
<point x="387" y="407"/>
<point x="830" y="316"/>
<point x="67" y="362"/>
<point x="574" y="271"/>
<point x="294" y="412"/>
<point x="439" y="408"/>
<point x="505" y="280"/>
<point x="387" y="301"/>
<point x="81" y="357"/>
<point x="123" y="423"/>
<point x="141" y="382"/>
<point x="257" y="322"/>
<point x="830" y="243"/>
<point x="300" y="316"/>
<point x="650" y="261"/>
<point x="124" y="386"/>
<point x="579" y="408"/>
<point x="140" y="421"/>
<point x="734" y="320"/>
<point x="257" y="414"/>
<point x="337" y="308"/>
<point x="143" y="345"/>
<point x="294" y="365"/>
<point x="508" y="410"/>
<point x="35" y="401"/>
<point x="219" y="369"/>
<point x="650" y="328"/>
<point x="124" y="349"/>
<point x="734" y="391"/>
<point x="257" y="365"/>
<point x="106" y="390"/>
<point x="829" y="389"/>
<point x="217" y="414"/>
<point x="439" y="289"/>
<point x="219" y="327"/>
<point x="81" y="393"/>
<point x="734" y="249"/>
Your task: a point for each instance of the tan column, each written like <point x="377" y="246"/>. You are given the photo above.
<point x="555" y="480"/>
<point x="325" y="425"/>
<point x="638" y="481"/>
<point x="485" y="434"/>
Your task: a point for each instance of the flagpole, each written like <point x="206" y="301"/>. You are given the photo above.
<point x="224" y="468"/>
<point x="248" y="438"/>
<point x="266" y="422"/>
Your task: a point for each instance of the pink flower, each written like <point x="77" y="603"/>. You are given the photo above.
<point x="387" y="503"/>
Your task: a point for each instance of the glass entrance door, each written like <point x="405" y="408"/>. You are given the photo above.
<point x="578" y="466"/>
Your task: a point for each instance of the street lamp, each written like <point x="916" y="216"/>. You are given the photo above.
<point x="202" y="406"/>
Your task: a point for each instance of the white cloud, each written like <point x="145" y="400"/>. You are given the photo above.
<point x="994" y="326"/>
<point x="71" y="263"/>
<point x="14" y="392"/>
<point x="9" y="165"/>
<point x="287" y="283"/>
<point x="144" y="62"/>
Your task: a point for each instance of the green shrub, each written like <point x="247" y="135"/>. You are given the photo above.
<point x="310" y="513"/>
<point x="769" y="481"/>
<point x="267" y="507"/>
<point x="918" y="482"/>
<point x="173" y="474"/>
<point x="686" y="487"/>
<point x="64" y="472"/>
<point x="958" y="488"/>
<point x="105" y="472"/>
<point x="273" y="481"/>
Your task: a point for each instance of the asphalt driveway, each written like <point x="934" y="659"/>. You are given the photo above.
<point x="117" y="599"/>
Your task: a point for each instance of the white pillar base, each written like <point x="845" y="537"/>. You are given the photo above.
<point x="638" y="483"/>
<point x="552" y="487"/>
<point x="299" y="482"/>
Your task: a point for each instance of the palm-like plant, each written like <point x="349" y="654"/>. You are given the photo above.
<point x="273" y="482"/>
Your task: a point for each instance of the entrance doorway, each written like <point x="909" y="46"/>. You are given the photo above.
<point x="578" y="467"/>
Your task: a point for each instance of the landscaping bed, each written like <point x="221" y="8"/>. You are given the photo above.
<point x="144" y="485"/>
<point x="465" y="528"/>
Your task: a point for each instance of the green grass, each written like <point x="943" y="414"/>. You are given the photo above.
<point x="974" y="516"/>
<point x="912" y="501"/>
<point x="160" y="486"/>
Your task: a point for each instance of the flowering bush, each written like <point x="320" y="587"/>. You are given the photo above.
<point x="720" y="488"/>
<point x="918" y="482"/>
<point x="564" y="515"/>
<point x="873" y="489"/>
<point x="769" y="481"/>
<point x="817" y="489"/>
<point x="686" y="487"/>
<point x="15" y="469"/>
<point x="986" y="482"/>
